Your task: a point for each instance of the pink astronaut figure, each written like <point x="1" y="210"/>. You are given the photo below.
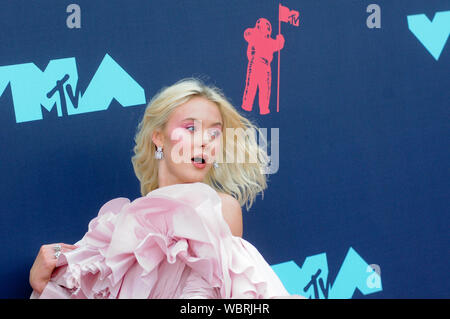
<point x="260" y="54"/>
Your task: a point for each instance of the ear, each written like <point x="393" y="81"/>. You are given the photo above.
<point x="158" y="137"/>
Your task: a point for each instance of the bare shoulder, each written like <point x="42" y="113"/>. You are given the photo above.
<point x="232" y="213"/>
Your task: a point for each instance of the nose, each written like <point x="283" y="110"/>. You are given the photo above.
<point x="201" y="139"/>
<point x="206" y="139"/>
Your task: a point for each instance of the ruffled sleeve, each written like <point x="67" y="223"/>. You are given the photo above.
<point x="172" y="243"/>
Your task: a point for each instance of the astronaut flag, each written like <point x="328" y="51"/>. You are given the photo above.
<point x="291" y="17"/>
<point x="288" y="16"/>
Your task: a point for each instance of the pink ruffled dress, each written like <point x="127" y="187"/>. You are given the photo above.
<point x="171" y="243"/>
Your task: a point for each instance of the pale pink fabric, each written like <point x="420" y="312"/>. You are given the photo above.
<point x="172" y="243"/>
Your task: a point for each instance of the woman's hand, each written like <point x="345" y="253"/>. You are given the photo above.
<point x="44" y="264"/>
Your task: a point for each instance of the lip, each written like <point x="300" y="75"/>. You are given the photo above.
<point x="200" y="165"/>
<point x="204" y="156"/>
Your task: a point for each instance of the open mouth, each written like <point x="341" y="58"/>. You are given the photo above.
<point x="198" y="160"/>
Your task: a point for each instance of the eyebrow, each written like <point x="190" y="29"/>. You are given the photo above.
<point x="194" y="119"/>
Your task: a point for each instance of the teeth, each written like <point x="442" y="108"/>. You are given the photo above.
<point x="199" y="160"/>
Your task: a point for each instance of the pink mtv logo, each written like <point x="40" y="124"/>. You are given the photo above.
<point x="260" y="50"/>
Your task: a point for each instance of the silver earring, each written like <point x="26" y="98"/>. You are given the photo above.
<point x="159" y="153"/>
<point x="215" y="164"/>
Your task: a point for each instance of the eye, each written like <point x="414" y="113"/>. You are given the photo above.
<point x="214" y="134"/>
<point x="191" y="127"/>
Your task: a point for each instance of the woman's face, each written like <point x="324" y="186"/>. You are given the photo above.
<point x="191" y="139"/>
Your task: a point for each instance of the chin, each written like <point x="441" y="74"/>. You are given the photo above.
<point x="193" y="178"/>
<point x="190" y="174"/>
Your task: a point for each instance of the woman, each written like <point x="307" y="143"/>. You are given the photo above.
<point x="182" y="238"/>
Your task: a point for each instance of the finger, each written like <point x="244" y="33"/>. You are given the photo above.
<point x="53" y="251"/>
<point x="49" y="260"/>
<point x="64" y="246"/>
<point x="68" y="246"/>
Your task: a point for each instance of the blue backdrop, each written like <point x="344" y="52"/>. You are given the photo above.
<point x="363" y="123"/>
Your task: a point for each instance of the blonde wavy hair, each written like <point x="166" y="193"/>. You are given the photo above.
<point x="243" y="181"/>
